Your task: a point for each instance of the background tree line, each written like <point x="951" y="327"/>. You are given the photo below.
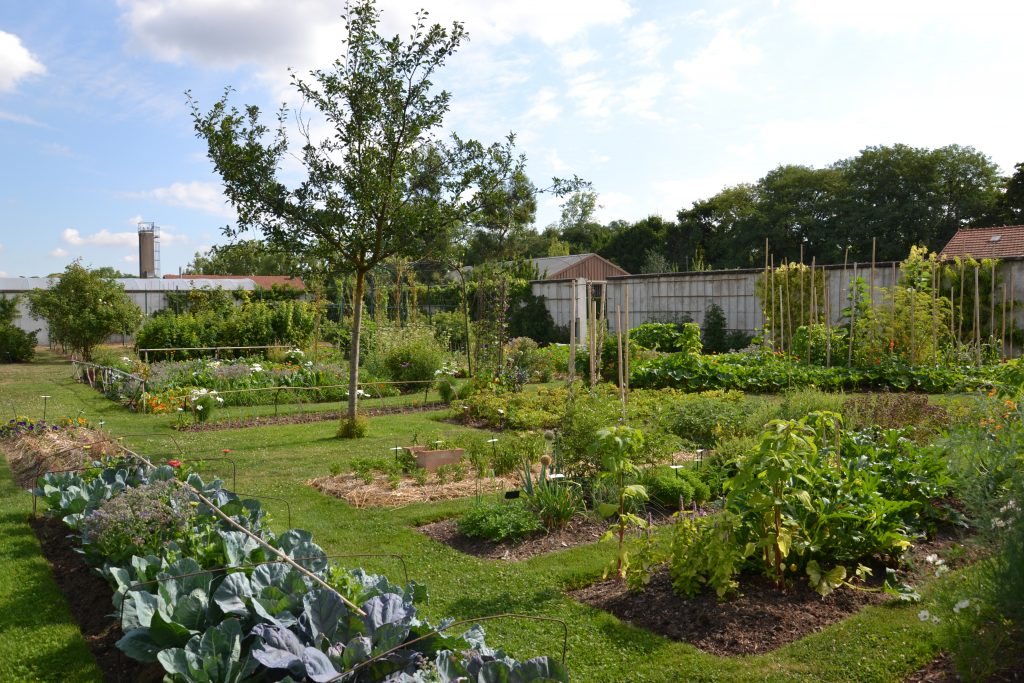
<point x="898" y="195"/>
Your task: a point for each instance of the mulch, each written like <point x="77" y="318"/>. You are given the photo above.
<point x="758" y="620"/>
<point x="579" y="531"/>
<point x="302" y="418"/>
<point x="90" y="600"/>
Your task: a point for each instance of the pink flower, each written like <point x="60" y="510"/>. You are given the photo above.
<point x="174" y="463"/>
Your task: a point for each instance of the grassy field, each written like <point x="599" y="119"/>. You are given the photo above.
<point x="878" y="644"/>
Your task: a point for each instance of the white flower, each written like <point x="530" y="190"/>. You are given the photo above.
<point x="933" y="559"/>
<point x="940" y="570"/>
<point x="220" y="401"/>
<point x="126" y="359"/>
<point x="256" y="367"/>
<point x="1009" y="507"/>
<point x="998" y="522"/>
<point x="199" y="407"/>
<point x="924" y="615"/>
<point x="963" y="604"/>
<point x="213" y="364"/>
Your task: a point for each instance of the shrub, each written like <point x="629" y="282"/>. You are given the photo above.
<point x="584" y="417"/>
<point x="892" y="411"/>
<point x="16" y="345"/>
<point x="355" y="428"/>
<point x="498" y="521"/>
<point x="408" y="355"/>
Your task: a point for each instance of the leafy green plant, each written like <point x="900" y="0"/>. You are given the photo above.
<point x="409" y="355"/>
<point x="617" y="445"/>
<point x="499" y="521"/>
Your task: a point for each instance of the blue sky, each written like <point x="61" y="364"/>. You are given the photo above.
<point x="657" y="103"/>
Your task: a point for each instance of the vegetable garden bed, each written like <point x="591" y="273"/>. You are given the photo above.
<point x="89" y="598"/>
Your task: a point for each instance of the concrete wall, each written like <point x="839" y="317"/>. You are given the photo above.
<point x="670" y="296"/>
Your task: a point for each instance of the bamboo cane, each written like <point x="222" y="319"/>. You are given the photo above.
<point x="618" y="339"/>
<point x="572" y="333"/>
<point x="625" y="347"/>
<point x="977" y="315"/>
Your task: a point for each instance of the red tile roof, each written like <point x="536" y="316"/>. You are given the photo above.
<point x="262" y="281"/>
<point x="1002" y="242"/>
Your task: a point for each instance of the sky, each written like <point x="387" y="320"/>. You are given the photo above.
<point x="657" y="103"/>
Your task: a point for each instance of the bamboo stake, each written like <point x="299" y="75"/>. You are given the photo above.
<point x="913" y="322"/>
<point x="782" y="329"/>
<point x="789" y="306"/>
<point x="892" y="310"/>
<point x="1013" y="298"/>
<point x="591" y="340"/>
<point x="960" y="325"/>
<point x="771" y="286"/>
<point x="1002" y="335"/>
<point x="601" y="326"/>
<point x="853" y="314"/>
<point x="801" y="271"/>
<point x="977" y="315"/>
<point x="935" y="313"/>
<point x="625" y="348"/>
<point x="992" y="303"/>
<point x="874" y="247"/>
<point x="810" y="337"/>
<point x="768" y="287"/>
<point x="572" y="333"/>
<point x="618" y="338"/>
<point x="828" y="320"/>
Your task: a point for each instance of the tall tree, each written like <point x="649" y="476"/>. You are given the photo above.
<point x="717" y="231"/>
<point x="631" y="246"/>
<point x="245" y="257"/>
<point x="83" y="308"/>
<point x="380" y="185"/>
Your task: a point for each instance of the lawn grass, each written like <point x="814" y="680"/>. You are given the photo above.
<point x="40" y="641"/>
<point x="878" y="644"/>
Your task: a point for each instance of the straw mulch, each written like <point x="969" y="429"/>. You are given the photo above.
<point x="35" y="454"/>
<point x="380" y="493"/>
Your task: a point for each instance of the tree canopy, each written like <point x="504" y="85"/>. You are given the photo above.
<point x="84" y="308"/>
<point x="380" y="184"/>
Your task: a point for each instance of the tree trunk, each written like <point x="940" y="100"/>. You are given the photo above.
<point x="353" y="353"/>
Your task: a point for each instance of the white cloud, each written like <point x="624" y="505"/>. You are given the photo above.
<point x="19" y="118"/>
<point x="642" y="95"/>
<point x="543" y="106"/>
<point x="105" y="238"/>
<point x="302" y="34"/>
<point x="911" y="16"/>
<point x="59" y="253"/>
<point x="613" y="206"/>
<point x="594" y="95"/>
<point x="201" y="196"/>
<point x="574" y="59"/>
<point x="646" y="42"/>
<point x="718" y="65"/>
<point x="128" y="258"/>
<point x="16" y="62"/>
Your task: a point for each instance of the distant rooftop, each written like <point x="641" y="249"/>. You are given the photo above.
<point x="1003" y="242"/>
<point x="588" y="266"/>
<point x="262" y="281"/>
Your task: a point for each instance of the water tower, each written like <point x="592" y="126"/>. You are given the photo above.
<point x="149" y="250"/>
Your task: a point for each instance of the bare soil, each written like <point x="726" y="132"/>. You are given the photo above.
<point x="760" y="617"/>
<point x="579" y="531"/>
<point x="90" y="600"/>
